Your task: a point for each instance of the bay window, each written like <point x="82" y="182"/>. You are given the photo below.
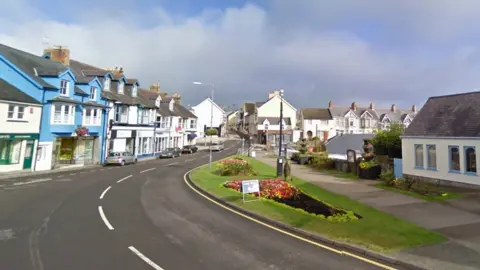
<point x="63" y="114"/>
<point x="92" y="116"/>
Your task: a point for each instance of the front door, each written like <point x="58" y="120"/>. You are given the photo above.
<point x="80" y="152"/>
<point x="27" y="160"/>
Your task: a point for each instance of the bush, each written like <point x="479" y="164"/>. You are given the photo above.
<point x="234" y="166"/>
<point x="388" y="177"/>
<point x="322" y="162"/>
<point x="364" y="165"/>
<point x="388" y="142"/>
<point x="211" y="132"/>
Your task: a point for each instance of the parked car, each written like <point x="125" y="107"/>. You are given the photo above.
<point x="171" y="152"/>
<point x="120" y="158"/>
<point x="217" y="146"/>
<point x="189" y="149"/>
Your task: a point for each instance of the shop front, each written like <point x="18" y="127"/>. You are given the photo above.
<point x="145" y="146"/>
<point x="122" y="140"/>
<point x="17" y="151"/>
<point x="81" y="150"/>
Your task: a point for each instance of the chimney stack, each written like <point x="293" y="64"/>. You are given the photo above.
<point x="354" y="106"/>
<point x="330" y="104"/>
<point x="414" y="108"/>
<point x="155" y="88"/>
<point x="393" y="108"/>
<point x="372" y="106"/>
<point x="117" y="71"/>
<point x="176" y="98"/>
<point x="58" y="54"/>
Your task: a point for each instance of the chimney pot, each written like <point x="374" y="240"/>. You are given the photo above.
<point x="372" y="106"/>
<point x="354" y="106"/>
<point x="58" y="54"/>
<point x="330" y="104"/>
<point x="393" y="108"/>
<point x="414" y="108"/>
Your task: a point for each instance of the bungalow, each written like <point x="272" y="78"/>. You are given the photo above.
<point x="440" y="144"/>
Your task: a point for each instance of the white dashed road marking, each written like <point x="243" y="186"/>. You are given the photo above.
<point x="147" y="170"/>
<point x="105" y="192"/>
<point x="32" y="181"/>
<point x="123" y="179"/>
<point x="145" y="258"/>
<point x="174" y="163"/>
<point x="104" y="218"/>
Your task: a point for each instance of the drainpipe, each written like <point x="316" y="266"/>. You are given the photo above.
<point x="39" y="130"/>
<point x="104" y="141"/>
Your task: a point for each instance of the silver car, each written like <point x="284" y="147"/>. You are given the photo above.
<point x="217" y="146"/>
<point x="120" y="158"/>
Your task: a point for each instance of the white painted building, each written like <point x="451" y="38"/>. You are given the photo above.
<point x="20" y="126"/>
<point x="441" y="142"/>
<point x="317" y="122"/>
<point x="203" y="111"/>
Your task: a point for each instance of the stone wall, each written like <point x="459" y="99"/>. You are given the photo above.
<point x="440" y="182"/>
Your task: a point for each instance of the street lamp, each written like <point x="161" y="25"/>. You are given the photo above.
<point x="280" y="158"/>
<point x="211" y="118"/>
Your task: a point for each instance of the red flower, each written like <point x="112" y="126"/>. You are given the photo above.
<point x="269" y="188"/>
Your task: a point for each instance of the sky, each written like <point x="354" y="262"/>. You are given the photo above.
<point x="344" y="51"/>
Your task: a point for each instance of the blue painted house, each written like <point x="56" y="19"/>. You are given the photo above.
<point x="73" y="122"/>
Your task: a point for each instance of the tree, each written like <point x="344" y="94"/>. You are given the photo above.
<point x="211" y="132"/>
<point x="388" y="142"/>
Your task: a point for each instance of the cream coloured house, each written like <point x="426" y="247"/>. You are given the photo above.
<point x="20" y="121"/>
<point x="441" y="142"/>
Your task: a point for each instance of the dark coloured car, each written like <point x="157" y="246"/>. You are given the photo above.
<point x="189" y="149"/>
<point x="171" y="152"/>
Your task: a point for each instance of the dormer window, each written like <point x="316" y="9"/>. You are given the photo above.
<point x="93" y="92"/>
<point x="106" y="84"/>
<point x="157" y="103"/>
<point x="134" y="91"/>
<point x="64" y="84"/>
<point x="170" y="106"/>
<point x="120" y="88"/>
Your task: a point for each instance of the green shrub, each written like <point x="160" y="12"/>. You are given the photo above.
<point x="388" y="177"/>
<point x="322" y="162"/>
<point x="211" y="132"/>
<point x="235" y="166"/>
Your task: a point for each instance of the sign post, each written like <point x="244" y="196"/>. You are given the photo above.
<point x="250" y="186"/>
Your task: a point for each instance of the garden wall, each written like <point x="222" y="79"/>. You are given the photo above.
<point x="440" y="182"/>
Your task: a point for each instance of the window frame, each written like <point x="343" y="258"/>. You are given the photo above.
<point x="64" y="86"/>
<point x="465" y="148"/>
<point x="15" y="112"/>
<point x="450" y="168"/>
<point x="94" y="120"/>
<point x="106" y="84"/>
<point x="71" y="114"/>
<point x="430" y="168"/>
<point x="134" y="91"/>
<point x="416" y="165"/>
<point x="121" y="88"/>
<point x="93" y="90"/>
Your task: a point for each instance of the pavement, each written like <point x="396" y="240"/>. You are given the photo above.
<point x="142" y="216"/>
<point x="458" y="219"/>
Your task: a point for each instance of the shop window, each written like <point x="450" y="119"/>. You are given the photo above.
<point x="10" y="151"/>
<point x="63" y="114"/>
<point x="15" y="112"/>
<point x="470" y="160"/>
<point x="4" y="145"/>
<point x="454" y="159"/>
<point x="419" y="156"/>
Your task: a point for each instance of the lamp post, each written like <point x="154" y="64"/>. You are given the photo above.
<point x="211" y="118"/>
<point x="280" y="158"/>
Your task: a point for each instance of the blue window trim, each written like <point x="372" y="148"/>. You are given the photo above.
<point x="428" y="157"/>
<point x="465" y="148"/>
<point x="450" y="170"/>
<point x="415" y="157"/>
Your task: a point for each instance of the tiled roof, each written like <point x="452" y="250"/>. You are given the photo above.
<point x="65" y="99"/>
<point x="94" y="104"/>
<point x="32" y="64"/>
<point x="448" y="116"/>
<point x="378" y="114"/>
<point x="183" y="112"/>
<point x="274" y="120"/>
<point x="79" y="91"/>
<point x="132" y="81"/>
<point x="9" y="92"/>
<point x="316" y="113"/>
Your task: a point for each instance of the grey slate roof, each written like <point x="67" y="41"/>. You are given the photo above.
<point x="65" y="99"/>
<point x="9" y="92"/>
<point x="183" y="112"/>
<point x="274" y="120"/>
<point x="79" y="91"/>
<point x="448" y="116"/>
<point x="316" y="113"/>
<point x="94" y="104"/>
<point x="341" y="143"/>
<point x="32" y="65"/>
<point x="378" y="114"/>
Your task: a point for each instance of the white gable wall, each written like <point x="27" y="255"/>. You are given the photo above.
<point x="442" y="154"/>
<point x="203" y="112"/>
<point x="272" y="109"/>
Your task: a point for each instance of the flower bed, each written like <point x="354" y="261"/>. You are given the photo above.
<point x="234" y="166"/>
<point x="283" y="192"/>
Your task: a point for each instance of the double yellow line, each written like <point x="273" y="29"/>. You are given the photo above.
<point x="338" y="251"/>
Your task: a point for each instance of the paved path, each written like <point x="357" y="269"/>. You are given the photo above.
<point x="141" y="217"/>
<point x="458" y="219"/>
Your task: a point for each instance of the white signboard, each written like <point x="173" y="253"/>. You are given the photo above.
<point x="250" y="186"/>
<point x="124" y="133"/>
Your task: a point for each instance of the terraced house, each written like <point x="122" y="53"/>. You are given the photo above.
<point x="72" y="118"/>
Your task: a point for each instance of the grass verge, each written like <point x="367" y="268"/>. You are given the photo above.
<point x="444" y="197"/>
<point x="377" y="231"/>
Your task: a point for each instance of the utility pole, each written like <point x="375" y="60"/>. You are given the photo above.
<point x="280" y="158"/>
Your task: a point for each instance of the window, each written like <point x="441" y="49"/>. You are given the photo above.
<point x="63" y="114"/>
<point x="454" y="159"/>
<point x="431" y="157"/>
<point x="192" y="124"/>
<point x="120" y="88"/>
<point x="64" y="87"/>
<point x="10" y="151"/>
<point x="418" y="156"/>
<point x="134" y="91"/>
<point x="352" y="122"/>
<point x="157" y="103"/>
<point x="121" y="113"/>
<point x="106" y="84"/>
<point x="92" y="116"/>
<point x="145" y="117"/>
<point x="15" y="112"/>
<point x="139" y="116"/>
<point x="93" y="92"/>
<point x="324" y="122"/>
<point x="470" y="160"/>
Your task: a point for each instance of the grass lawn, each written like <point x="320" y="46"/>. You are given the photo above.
<point x="447" y="196"/>
<point x="377" y="231"/>
<point x="338" y="174"/>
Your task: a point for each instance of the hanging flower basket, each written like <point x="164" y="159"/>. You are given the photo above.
<point x="81" y="131"/>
